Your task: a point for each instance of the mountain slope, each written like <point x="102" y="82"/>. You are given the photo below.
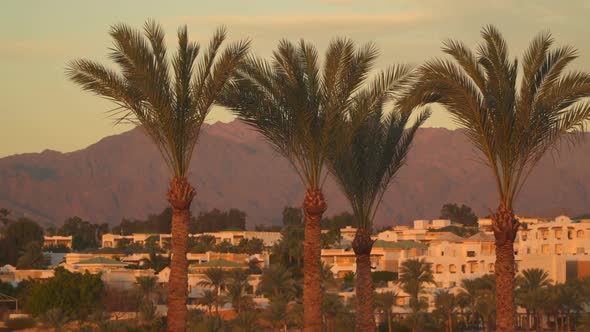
<point x="123" y="176"/>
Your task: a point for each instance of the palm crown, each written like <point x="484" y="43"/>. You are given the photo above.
<point x="170" y="108"/>
<point x="371" y="146"/>
<point x="294" y="104"/>
<point x="512" y="126"/>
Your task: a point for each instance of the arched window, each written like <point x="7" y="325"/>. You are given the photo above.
<point x="440" y="268"/>
<point x="491" y="267"/>
<point x="580" y="234"/>
<point x="453" y="268"/>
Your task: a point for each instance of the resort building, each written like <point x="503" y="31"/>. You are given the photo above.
<point x="58" y="241"/>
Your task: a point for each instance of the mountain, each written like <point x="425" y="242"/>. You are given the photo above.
<point x="123" y="176"/>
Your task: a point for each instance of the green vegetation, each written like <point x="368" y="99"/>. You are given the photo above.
<point x="75" y="294"/>
<point x="458" y="214"/>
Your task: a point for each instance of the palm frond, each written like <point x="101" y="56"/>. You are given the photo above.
<point x="170" y="110"/>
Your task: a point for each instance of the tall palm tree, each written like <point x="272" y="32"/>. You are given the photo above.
<point x="386" y="301"/>
<point x="513" y="124"/>
<point x="414" y="274"/>
<point x="170" y="101"/>
<point x="294" y="104"/>
<point x="445" y="303"/>
<point x="371" y="147"/>
<point x="214" y="278"/>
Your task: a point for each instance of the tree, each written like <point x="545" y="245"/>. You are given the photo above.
<point x="171" y="108"/>
<point x="155" y="262"/>
<point x="277" y="282"/>
<point x="84" y="234"/>
<point x="386" y="301"/>
<point x="292" y="216"/>
<point x="277" y="314"/>
<point x="250" y="246"/>
<point x="332" y="307"/>
<point x="55" y="318"/>
<point x="371" y="146"/>
<point x="75" y="294"/>
<point x="414" y="274"/>
<point x="32" y="258"/>
<point x="458" y="214"/>
<point x="246" y="321"/>
<point x="294" y="104"/>
<point x="445" y="303"/>
<point x="17" y="236"/>
<point x="513" y="124"/>
<point x="208" y="299"/>
<point x="531" y="292"/>
<point x="214" y="278"/>
<point x="216" y="220"/>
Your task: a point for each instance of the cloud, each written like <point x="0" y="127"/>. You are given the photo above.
<point x="303" y="20"/>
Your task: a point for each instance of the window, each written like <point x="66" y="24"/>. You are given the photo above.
<point x="570" y="234"/>
<point x="558" y="233"/>
<point x="474" y="267"/>
<point x="545" y="249"/>
<point x="580" y="250"/>
<point x="559" y="249"/>
<point x="453" y="268"/>
<point x="491" y="267"/>
<point x="580" y="234"/>
<point x="463" y="268"/>
<point x="545" y="234"/>
<point x="471" y="253"/>
<point x="524" y="236"/>
<point x="440" y="268"/>
<point x="442" y="253"/>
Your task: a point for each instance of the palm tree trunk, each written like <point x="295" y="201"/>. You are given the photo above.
<point x="389" y="327"/>
<point x="450" y="321"/>
<point x="505" y="228"/>
<point x="180" y="196"/>
<point x="216" y="300"/>
<point x="314" y="206"/>
<point x="362" y="245"/>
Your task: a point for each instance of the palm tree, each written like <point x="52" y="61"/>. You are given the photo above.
<point x="294" y="105"/>
<point x="531" y="294"/>
<point x="445" y="303"/>
<point x="247" y="321"/>
<point x="471" y="288"/>
<point x="371" y="147"/>
<point x="277" y="282"/>
<point x="208" y="299"/>
<point x="170" y="105"/>
<point x="147" y="286"/>
<point x="277" y="313"/>
<point x="386" y="301"/>
<point x="485" y="306"/>
<point x="214" y="278"/>
<point x="155" y="262"/>
<point x="414" y="274"/>
<point x="331" y="307"/>
<point x="512" y="124"/>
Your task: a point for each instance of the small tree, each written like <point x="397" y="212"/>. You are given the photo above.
<point x="458" y="214"/>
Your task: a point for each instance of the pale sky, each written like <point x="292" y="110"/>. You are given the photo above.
<point x="41" y="110"/>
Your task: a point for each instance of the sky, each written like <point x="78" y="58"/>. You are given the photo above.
<point x="40" y="109"/>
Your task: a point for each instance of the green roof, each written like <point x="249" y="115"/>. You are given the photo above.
<point x="220" y="263"/>
<point x="100" y="260"/>
<point x="404" y="244"/>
